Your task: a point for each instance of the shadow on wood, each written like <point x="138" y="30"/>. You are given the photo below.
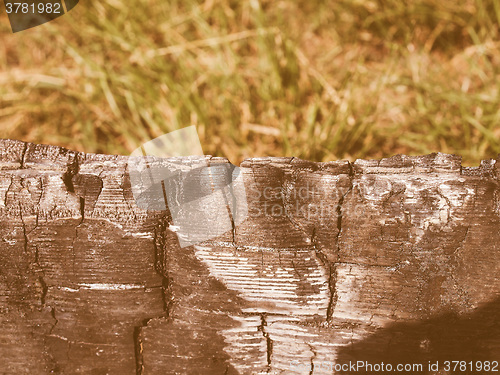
<point x="468" y="338"/>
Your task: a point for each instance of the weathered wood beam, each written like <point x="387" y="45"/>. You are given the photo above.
<point x="394" y="260"/>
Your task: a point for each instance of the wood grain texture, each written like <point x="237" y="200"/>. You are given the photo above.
<point x="393" y="260"/>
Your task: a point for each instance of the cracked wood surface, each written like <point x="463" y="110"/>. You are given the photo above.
<point x="393" y="260"/>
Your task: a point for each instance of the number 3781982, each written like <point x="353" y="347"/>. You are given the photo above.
<point x="45" y="8"/>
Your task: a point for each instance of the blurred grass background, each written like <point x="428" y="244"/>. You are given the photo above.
<point x="320" y="80"/>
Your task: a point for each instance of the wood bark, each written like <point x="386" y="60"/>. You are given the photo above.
<point x="394" y="260"/>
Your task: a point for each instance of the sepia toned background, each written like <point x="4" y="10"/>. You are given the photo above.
<point x="321" y="80"/>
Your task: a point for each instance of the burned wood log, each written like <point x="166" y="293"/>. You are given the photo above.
<point x="335" y="262"/>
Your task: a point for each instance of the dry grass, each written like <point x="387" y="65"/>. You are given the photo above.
<point x="321" y="80"/>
